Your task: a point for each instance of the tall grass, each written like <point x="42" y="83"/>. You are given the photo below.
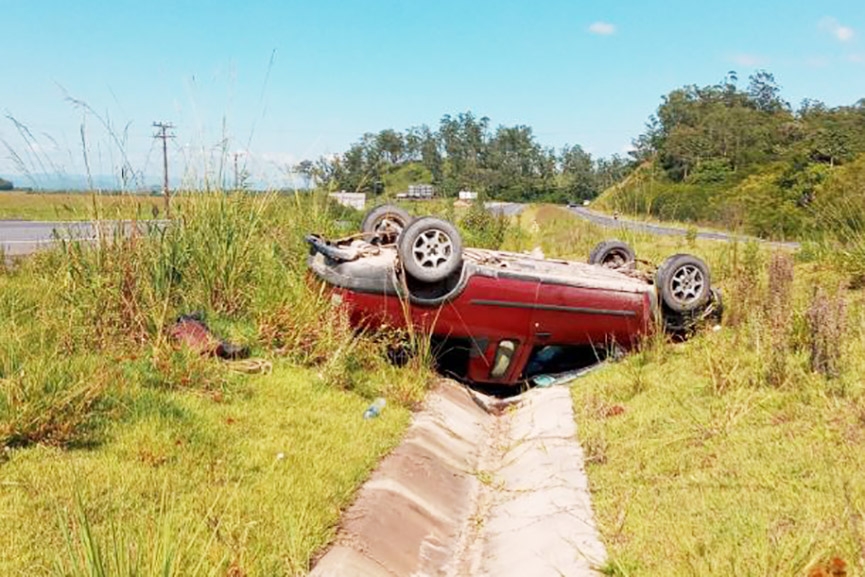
<point x="97" y="399"/>
<point x="778" y="315"/>
<point x="167" y="549"/>
<point x="826" y="319"/>
<point x="842" y="243"/>
<point x="240" y="259"/>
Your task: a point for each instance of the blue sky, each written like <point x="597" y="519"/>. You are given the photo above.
<point x="278" y="82"/>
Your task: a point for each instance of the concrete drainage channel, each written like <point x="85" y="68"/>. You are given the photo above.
<point x="479" y="487"/>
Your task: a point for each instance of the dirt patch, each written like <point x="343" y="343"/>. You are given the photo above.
<point x="470" y="492"/>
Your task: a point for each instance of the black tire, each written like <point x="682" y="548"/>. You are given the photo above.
<point x="684" y="283"/>
<point x="385" y="223"/>
<point x="430" y="249"/>
<point x="685" y="324"/>
<point x="613" y="254"/>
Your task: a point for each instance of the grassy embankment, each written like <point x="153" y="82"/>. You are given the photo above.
<point x="770" y="201"/>
<point x="122" y="454"/>
<point x="742" y="450"/>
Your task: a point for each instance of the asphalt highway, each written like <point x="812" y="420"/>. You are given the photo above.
<point x="21" y="237"/>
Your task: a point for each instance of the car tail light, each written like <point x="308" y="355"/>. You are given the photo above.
<point x="504" y="355"/>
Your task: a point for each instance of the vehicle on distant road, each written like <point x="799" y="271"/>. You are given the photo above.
<point x="495" y="315"/>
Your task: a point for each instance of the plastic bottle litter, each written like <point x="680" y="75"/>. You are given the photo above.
<point x="375" y="408"/>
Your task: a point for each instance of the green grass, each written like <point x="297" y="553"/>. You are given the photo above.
<point x="751" y="481"/>
<point x="77" y="206"/>
<point x="726" y="454"/>
<point x="257" y="479"/>
<point x="122" y="452"/>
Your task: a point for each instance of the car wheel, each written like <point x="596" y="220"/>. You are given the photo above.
<point x="683" y="324"/>
<point x="613" y="254"/>
<point x="385" y="223"/>
<point x="684" y="282"/>
<point x="430" y="249"/>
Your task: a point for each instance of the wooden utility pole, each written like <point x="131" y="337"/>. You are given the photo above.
<point x="164" y="127"/>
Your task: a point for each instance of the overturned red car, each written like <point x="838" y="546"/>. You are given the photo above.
<point x="499" y="317"/>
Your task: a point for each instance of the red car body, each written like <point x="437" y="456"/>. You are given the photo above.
<point x="504" y="306"/>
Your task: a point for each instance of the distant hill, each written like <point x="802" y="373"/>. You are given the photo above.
<point x="743" y="159"/>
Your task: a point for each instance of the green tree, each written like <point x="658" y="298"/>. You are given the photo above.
<point x="514" y="161"/>
<point x="392" y="144"/>
<point x="579" y="178"/>
<point x="464" y="141"/>
<point x="765" y="93"/>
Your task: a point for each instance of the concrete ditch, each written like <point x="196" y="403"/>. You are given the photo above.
<point x="477" y="488"/>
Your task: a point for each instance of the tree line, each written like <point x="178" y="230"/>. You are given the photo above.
<point x="465" y="153"/>
<point x="736" y="155"/>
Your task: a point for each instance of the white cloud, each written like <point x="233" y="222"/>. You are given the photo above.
<point x="856" y="58"/>
<point x="602" y="28"/>
<point x="836" y="29"/>
<point x="844" y="33"/>
<point x="747" y="60"/>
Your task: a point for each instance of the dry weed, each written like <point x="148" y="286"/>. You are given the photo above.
<point x="778" y="311"/>
<point x="826" y="319"/>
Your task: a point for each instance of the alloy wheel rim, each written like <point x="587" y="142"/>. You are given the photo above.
<point x="687" y="284"/>
<point x="432" y="249"/>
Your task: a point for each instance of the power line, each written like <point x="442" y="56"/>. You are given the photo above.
<point x="163" y="134"/>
